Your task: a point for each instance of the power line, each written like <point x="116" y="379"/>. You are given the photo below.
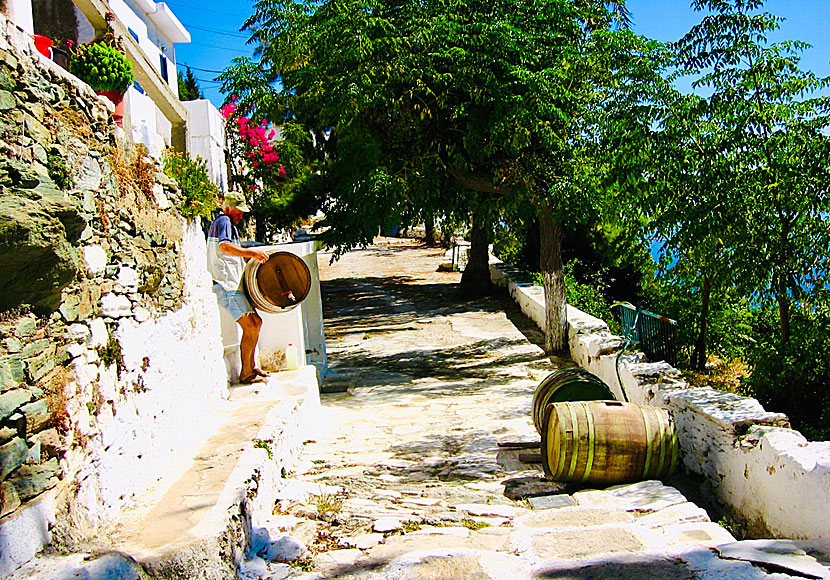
<point x="238" y="50"/>
<point x="193" y="26"/>
<point x="200" y="9"/>
<point x="201" y="69"/>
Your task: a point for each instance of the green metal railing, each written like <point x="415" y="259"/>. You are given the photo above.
<point x="653" y="333"/>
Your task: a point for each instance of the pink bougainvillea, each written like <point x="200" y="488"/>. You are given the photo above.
<point x="257" y="139"/>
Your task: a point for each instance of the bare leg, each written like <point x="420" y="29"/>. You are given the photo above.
<point x="251" y="324"/>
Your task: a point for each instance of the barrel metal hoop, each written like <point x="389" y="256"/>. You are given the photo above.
<point x="560" y="468"/>
<point x="591" y="442"/>
<point x="648" y="442"/>
<point x="574" y="457"/>
<point x="664" y="442"/>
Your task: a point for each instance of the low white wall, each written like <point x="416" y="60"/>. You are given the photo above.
<point x="764" y="473"/>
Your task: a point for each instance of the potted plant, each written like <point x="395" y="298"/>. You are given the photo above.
<point x="102" y="65"/>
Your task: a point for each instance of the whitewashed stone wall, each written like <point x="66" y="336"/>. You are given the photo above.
<point x="762" y="472"/>
<point x="159" y="405"/>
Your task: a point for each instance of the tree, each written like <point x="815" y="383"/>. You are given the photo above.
<point x="774" y="139"/>
<point x="502" y="97"/>
<point x="188" y="86"/>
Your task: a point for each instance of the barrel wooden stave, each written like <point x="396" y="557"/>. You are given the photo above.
<point x="607" y="442"/>
<point x="572" y="384"/>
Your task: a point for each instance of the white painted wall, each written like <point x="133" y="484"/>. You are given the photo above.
<point x="162" y="404"/>
<point x="763" y="472"/>
<point x="19" y="13"/>
<point x="206" y="132"/>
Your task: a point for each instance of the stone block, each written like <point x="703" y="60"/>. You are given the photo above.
<point x="35" y="348"/>
<point x="585" y="543"/>
<point x="7" y="101"/>
<point x="37" y="416"/>
<point x="11" y="372"/>
<point x="32" y="480"/>
<point x="50" y="442"/>
<point x="41" y="364"/>
<point x="9" y="500"/>
<point x="12" y="400"/>
<point x="12" y="456"/>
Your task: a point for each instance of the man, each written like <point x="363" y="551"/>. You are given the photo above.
<point x="226" y="263"/>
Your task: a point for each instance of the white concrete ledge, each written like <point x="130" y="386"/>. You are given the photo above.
<point x="764" y="473"/>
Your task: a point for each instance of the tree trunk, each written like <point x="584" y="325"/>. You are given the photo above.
<point x="784" y="319"/>
<point x="429" y="229"/>
<point x="553" y="280"/>
<point x="699" y="354"/>
<point x="475" y="281"/>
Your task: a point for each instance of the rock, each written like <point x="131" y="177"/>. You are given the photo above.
<point x="12" y="400"/>
<point x="283" y="548"/>
<point x="475" y="509"/>
<point x="12" y="456"/>
<point x="116" y="306"/>
<point x="12" y="372"/>
<point x="99" y="335"/>
<point x="37" y="415"/>
<point x="13" y="345"/>
<point x="95" y="259"/>
<point x="784" y="554"/>
<point x="89" y="176"/>
<point x="7" y="101"/>
<point x="69" y="308"/>
<point x="40" y="365"/>
<point x="363" y="542"/>
<point x="50" y="442"/>
<point x="26" y="326"/>
<point x="31" y="480"/>
<point x="141" y="314"/>
<point x="9" y="500"/>
<point x="385" y="525"/>
<point x="38" y="257"/>
<point x="78" y="332"/>
<point x="128" y="277"/>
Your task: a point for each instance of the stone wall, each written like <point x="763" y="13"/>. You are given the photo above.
<point x="110" y="349"/>
<point x="762" y="473"/>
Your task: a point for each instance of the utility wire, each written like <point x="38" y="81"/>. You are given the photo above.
<point x="200" y="9"/>
<point x="201" y="69"/>
<point x="234" y="34"/>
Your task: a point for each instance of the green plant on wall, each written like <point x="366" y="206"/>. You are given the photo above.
<point x="102" y="66"/>
<point x="199" y="193"/>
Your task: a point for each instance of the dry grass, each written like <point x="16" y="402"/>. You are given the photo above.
<point x="719" y="374"/>
<point x="133" y="171"/>
<point x="272" y="361"/>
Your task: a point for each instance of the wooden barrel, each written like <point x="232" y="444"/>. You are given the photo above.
<point x="607" y="442"/>
<point x="573" y="384"/>
<point x="279" y="284"/>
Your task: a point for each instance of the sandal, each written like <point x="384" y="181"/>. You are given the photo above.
<point x="261" y="373"/>
<point x="252" y="379"/>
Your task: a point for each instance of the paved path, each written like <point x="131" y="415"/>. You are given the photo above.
<point x="409" y="481"/>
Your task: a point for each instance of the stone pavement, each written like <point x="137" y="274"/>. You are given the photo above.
<point x="410" y="482"/>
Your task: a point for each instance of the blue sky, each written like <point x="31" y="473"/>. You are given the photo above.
<point x="214" y="28"/>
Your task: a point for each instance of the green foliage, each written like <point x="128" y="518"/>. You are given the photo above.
<point x="199" y="193"/>
<point x="262" y="444"/>
<point x="102" y="66"/>
<point x="189" y="89"/>
<point x="58" y="171"/>
<point x="794" y="381"/>
<point x="111" y="354"/>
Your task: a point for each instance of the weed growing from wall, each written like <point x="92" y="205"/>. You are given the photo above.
<point x="199" y="194"/>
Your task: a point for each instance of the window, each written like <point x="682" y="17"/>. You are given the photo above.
<point x="163" y="69"/>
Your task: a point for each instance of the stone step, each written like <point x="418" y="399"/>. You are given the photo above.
<point x="199" y="517"/>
